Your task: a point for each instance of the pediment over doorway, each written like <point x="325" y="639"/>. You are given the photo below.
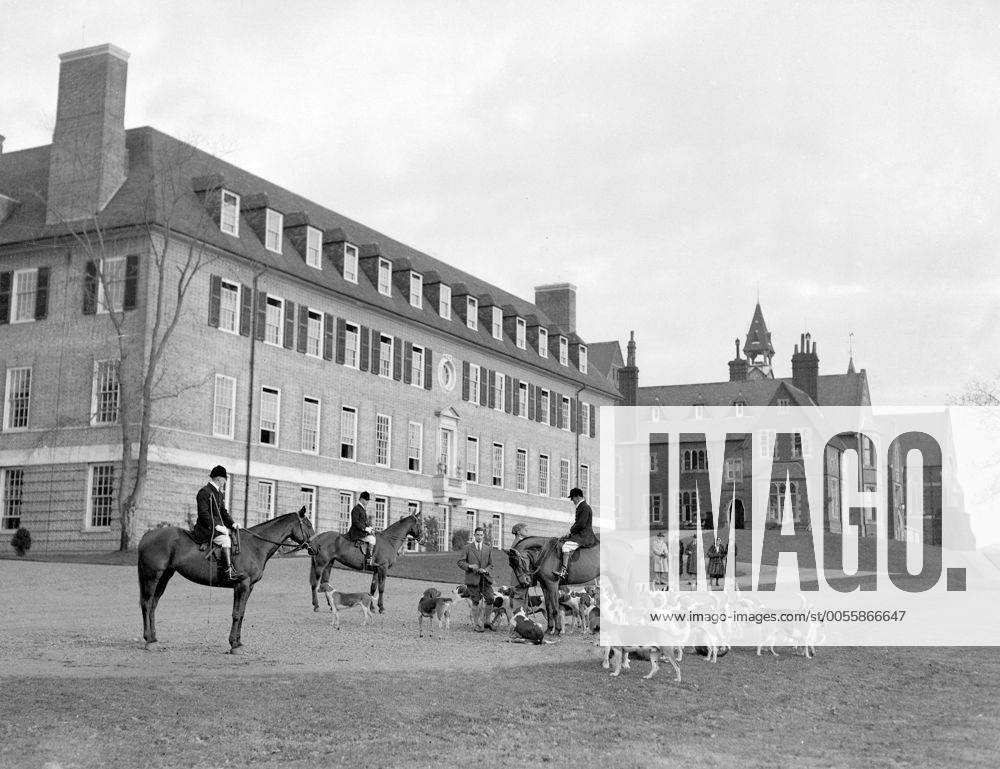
<point x="448" y="412"/>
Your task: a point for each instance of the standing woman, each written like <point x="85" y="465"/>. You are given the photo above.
<point x="717" y="561"/>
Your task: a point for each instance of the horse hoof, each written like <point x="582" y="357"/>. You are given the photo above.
<point x="381" y="610"/>
<point x="152" y="646"/>
<point x="236" y="649"/>
<point x="315" y="608"/>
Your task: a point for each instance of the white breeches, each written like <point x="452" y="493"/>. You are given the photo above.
<point x="569" y="546"/>
<point x="222" y="538"/>
<point x="370" y="539"/>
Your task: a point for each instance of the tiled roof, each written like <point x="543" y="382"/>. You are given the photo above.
<point x="834" y="390"/>
<point x="169" y="197"/>
<point x="604" y="355"/>
<point x="850" y="389"/>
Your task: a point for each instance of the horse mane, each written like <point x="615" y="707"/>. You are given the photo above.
<point x="398" y="525"/>
<point x="533" y="542"/>
<point x="537" y="548"/>
<point x="550" y="547"/>
<point x="272" y="521"/>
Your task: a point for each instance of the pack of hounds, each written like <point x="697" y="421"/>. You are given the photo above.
<point x="676" y="632"/>
<point x="582" y="610"/>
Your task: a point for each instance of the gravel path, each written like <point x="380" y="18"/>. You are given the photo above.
<point x="84" y="620"/>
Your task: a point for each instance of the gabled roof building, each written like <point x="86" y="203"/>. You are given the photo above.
<point x="752" y="382"/>
<point x="312" y="356"/>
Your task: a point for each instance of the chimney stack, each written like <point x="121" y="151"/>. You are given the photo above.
<point x="738" y="366"/>
<point x="805" y="367"/>
<point x="558" y="302"/>
<point x="88" y="161"/>
<point x="628" y="375"/>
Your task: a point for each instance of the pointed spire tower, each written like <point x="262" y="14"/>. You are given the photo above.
<point x="758" y="350"/>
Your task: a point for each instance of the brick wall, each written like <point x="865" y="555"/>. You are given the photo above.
<point x="64" y="346"/>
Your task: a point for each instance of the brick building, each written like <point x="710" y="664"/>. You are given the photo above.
<point x="312" y="356"/>
<point x="752" y="382"/>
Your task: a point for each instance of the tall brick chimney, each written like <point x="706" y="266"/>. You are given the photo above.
<point x="558" y="302"/>
<point x="88" y="161"/>
<point x="738" y="366"/>
<point x="805" y="367"/>
<point x="628" y="375"/>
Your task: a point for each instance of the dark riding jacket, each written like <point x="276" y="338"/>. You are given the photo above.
<point x="481" y="558"/>
<point x="211" y="513"/>
<point x="582" y="531"/>
<point x="359" y="522"/>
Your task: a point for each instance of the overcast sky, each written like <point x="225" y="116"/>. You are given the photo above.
<point x="669" y="159"/>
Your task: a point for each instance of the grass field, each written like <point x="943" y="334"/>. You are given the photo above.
<point x="79" y="691"/>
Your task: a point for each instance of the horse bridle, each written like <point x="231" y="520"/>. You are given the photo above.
<point x="529" y="572"/>
<point x="305" y="543"/>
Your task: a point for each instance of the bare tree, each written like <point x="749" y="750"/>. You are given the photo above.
<point x="979" y="392"/>
<point x="174" y="257"/>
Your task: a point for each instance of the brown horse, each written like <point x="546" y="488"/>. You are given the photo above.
<point x="331" y="547"/>
<point x="533" y="561"/>
<point x="170" y="549"/>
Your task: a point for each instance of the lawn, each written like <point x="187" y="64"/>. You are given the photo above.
<point x="79" y="690"/>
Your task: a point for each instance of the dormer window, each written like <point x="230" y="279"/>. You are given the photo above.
<point x="563" y="351"/>
<point x="272" y="231"/>
<point x="583" y="359"/>
<point x="472" y="313"/>
<point x="739" y="406"/>
<point x="543" y="342"/>
<point x="444" y="302"/>
<point x="229" y="213"/>
<point x="497" y="323"/>
<point x="314" y="248"/>
<point x="416" y="290"/>
<point x="384" y="277"/>
<point x="351" y="262"/>
<point x="699" y="411"/>
<point x="522" y="333"/>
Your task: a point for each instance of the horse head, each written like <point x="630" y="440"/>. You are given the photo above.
<point x="416" y="529"/>
<point x="303" y="531"/>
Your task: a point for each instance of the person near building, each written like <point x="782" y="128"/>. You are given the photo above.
<point x="214" y="521"/>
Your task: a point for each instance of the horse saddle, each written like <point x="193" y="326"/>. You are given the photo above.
<point x="203" y="546"/>
<point x="575" y="555"/>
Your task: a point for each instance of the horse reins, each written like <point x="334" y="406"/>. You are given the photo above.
<point x="299" y="546"/>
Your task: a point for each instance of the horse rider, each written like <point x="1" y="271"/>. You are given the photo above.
<point x="581" y="533"/>
<point x="213" y="518"/>
<point x="477" y="562"/>
<point x="361" y="529"/>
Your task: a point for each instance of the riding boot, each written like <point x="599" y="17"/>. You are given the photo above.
<point x="227" y="560"/>
<point x="369" y="558"/>
<point x="561" y="573"/>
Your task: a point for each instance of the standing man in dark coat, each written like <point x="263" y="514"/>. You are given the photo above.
<point x="581" y="534"/>
<point x="361" y="529"/>
<point x="477" y="562"/>
<point x="213" y="518"/>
